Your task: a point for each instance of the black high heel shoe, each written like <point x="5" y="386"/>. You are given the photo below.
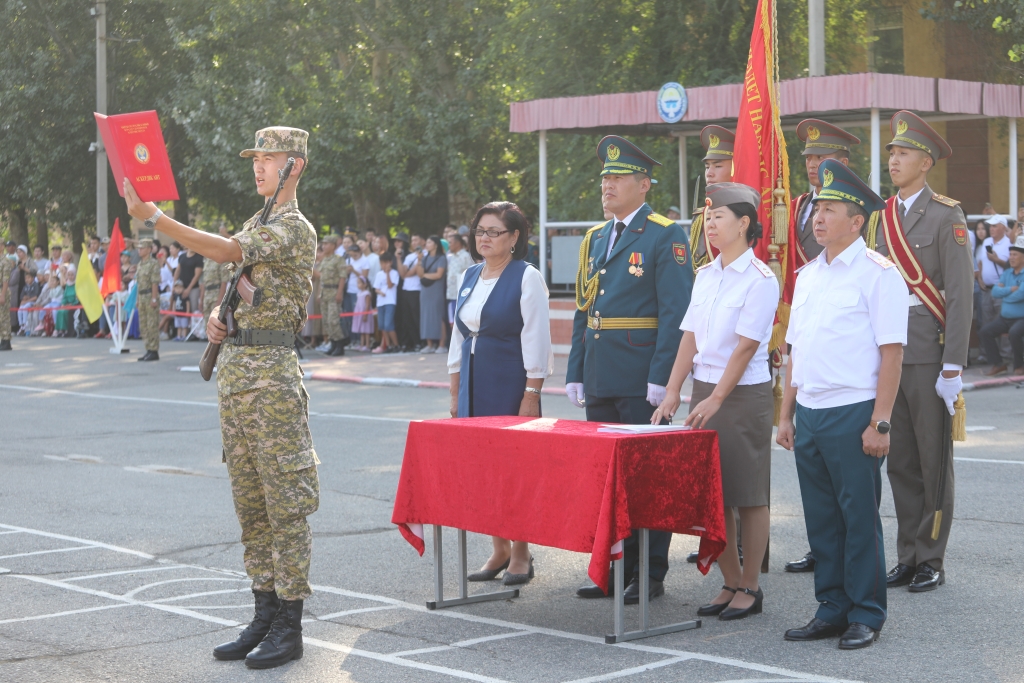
<point x="488" y="574"/>
<point x="713" y="608"/>
<point x="517" y="579"/>
<point x="733" y="613"/>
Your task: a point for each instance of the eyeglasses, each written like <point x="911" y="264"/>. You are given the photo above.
<point x="490" y="233"/>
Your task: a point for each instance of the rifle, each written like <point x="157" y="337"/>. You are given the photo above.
<point x="240" y="287"/>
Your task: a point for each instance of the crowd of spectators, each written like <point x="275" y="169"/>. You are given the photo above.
<point x="998" y="297"/>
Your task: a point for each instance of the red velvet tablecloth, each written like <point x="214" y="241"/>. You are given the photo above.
<point x="560" y="483"/>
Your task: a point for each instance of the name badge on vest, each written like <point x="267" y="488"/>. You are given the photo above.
<point x="636" y="262"/>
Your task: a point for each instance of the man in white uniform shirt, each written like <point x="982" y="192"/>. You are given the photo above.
<point x="847" y="329"/>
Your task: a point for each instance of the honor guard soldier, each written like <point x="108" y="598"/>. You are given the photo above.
<point x="847" y="328"/>
<point x="821" y="141"/>
<point x="925" y="234"/>
<point x="7" y="268"/>
<point x="147" y="278"/>
<point x="632" y="290"/>
<point x="263" y="405"/>
<point x="718" y="142"/>
<point x="332" y="289"/>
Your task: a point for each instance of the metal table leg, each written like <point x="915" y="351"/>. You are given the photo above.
<point x="621" y="635"/>
<point x="464" y="598"/>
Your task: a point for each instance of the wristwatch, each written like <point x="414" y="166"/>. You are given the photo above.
<point x="150" y="222"/>
<point x="882" y="426"/>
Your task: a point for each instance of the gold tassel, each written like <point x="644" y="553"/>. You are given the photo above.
<point x="780" y="215"/>
<point x="960" y="418"/>
<point x="773" y="263"/>
<point x="777" y="396"/>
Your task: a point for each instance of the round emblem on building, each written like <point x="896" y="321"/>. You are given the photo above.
<point x="142" y="153"/>
<point x="713" y="141"/>
<point x="901" y="127"/>
<point x="613" y="152"/>
<point x="672" y="102"/>
<point x="826" y="179"/>
<point x="813" y="133"/>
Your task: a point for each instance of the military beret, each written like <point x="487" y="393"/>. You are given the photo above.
<point x="840" y="184"/>
<point x="909" y="130"/>
<point x="622" y="157"/>
<point x="718" y="142"/>
<point x="821" y="137"/>
<point x="724" y="194"/>
<point x="278" y="139"/>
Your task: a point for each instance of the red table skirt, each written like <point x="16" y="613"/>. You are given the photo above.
<point x="560" y="483"/>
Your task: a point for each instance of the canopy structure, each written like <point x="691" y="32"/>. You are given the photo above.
<point x="853" y="100"/>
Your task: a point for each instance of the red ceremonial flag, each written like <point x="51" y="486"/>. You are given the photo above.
<point x="112" y="266"/>
<point x="760" y="158"/>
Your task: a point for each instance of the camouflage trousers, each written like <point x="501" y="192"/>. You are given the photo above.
<point x="149" y="324"/>
<point x="5" y="319"/>
<point x="274" y="484"/>
<point x="210" y="302"/>
<point x="329" y="308"/>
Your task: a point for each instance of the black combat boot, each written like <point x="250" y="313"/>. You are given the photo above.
<point x="267" y="605"/>
<point x="5" y="345"/>
<point x="284" y="642"/>
<point x="338" y="349"/>
<point x="150" y="355"/>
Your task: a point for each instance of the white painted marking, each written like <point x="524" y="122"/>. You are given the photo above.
<point x="132" y="593"/>
<point x="346" y="416"/>
<point x="391" y="659"/>
<point x="486" y="639"/>
<point x="979" y="428"/>
<point x="63" y="614"/>
<point x="631" y="671"/>
<point x="201" y="595"/>
<point x="335" y="615"/>
<point x="47" y="552"/>
<point x="4" y="533"/>
<point x="126" y="571"/>
<point x="47" y="534"/>
<point x="17" y="365"/>
<point x="998" y="462"/>
<point x="421" y="651"/>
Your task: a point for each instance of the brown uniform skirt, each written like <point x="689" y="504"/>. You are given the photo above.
<point x="744" y="426"/>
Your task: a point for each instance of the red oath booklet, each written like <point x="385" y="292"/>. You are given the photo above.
<point x="136" y="149"/>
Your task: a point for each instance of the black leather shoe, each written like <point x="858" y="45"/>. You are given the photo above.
<point x="857" y="636"/>
<point x="804" y="564"/>
<point x="816" y="629"/>
<point x="284" y="641"/>
<point x="927" y="579"/>
<point x="713" y="609"/>
<point x="900" y="575"/>
<point x="150" y="355"/>
<point x="267" y="605"/>
<point x="733" y="613"/>
<point x="592" y="591"/>
<point x="693" y="557"/>
<point x="488" y="574"/>
<point x="631" y="596"/>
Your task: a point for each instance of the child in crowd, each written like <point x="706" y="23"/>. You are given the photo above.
<point x="386" y="286"/>
<point x="180" y="304"/>
<point x="29" y="293"/>
<point x="363" y="322"/>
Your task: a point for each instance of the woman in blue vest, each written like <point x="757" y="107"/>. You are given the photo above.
<point x="500" y="352"/>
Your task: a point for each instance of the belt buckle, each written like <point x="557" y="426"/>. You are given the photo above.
<point x="597" y="324"/>
<point x="246" y="336"/>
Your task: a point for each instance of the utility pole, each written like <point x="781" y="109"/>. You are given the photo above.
<point x="99" y="13"/>
<point x="816" y="37"/>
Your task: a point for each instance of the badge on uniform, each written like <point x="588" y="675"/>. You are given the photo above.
<point x="960" y="233"/>
<point x="679" y="253"/>
<point x="636" y="262"/>
<point x="465" y="292"/>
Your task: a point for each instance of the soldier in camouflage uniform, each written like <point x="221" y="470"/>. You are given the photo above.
<point x="332" y="275"/>
<point x="147" y="278"/>
<point x="6" y="298"/>
<point x="263" y="405"/>
<point x="212" y="283"/>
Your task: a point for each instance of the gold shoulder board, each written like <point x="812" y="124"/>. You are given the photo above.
<point x="879" y="259"/>
<point x="596" y="227"/>
<point x="943" y="199"/>
<point x="660" y="220"/>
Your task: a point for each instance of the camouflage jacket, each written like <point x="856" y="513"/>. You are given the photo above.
<point x="147" y="273"/>
<point x="332" y="271"/>
<point x="212" y="275"/>
<point x="6" y="268"/>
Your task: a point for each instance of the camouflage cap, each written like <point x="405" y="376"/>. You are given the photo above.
<point x="278" y="139"/>
<point x="909" y="130"/>
<point x="145" y="242"/>
<point x="822" y="138"/>
<point x="330" y="238"/>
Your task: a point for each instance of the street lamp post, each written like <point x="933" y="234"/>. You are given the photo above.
<point x="99" y="13"/>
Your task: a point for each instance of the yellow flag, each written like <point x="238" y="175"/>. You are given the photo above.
<point x="87" y="289"/>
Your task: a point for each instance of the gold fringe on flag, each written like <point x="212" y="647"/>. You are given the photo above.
<point x="960" y="418"/>
<point x="780" y="216"/>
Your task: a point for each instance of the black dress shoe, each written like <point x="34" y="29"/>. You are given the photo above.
<point x="593" y="591"/>
<point x="267" y="605"/>
<point x="693" y="557"/>
<point x="488" y="574"/>
<point x="714" y="608"/>
<point x="927" y="579"/>
<point x="284" y="641"/>
<point x="631" y="596"/>
<point x="857" y="636"/>
<point x="150" y="355"/>
<point x="804" y="564"/>
<point x="900" y="575"/>
<point x="816" y="629"/>
<point x="733" y="613"/>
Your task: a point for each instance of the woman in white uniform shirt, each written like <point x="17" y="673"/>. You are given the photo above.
<point x="500" y="353"/>
<point x="725" y="344"/>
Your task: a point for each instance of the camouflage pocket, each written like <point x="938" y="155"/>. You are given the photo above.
<point x="303" y="456"/>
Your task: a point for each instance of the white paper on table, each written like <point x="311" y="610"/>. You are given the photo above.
<point x="642" y="429"/>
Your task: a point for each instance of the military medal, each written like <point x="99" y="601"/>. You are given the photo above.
<point x="636" y="262"/>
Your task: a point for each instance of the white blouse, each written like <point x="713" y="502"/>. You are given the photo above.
<point x="726" y="304"/>
<point x="538" y="357"/>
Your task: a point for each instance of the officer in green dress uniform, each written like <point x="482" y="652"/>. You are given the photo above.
<point x="632" y="290"/>
<point x="719" y="143"/>
<point x="263" y="406"/>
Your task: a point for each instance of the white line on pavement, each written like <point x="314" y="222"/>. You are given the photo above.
<point x="461" y="644"/>
<point x="132" y="593"/>
<point x="391" y="659"/>
<point x="63" y="614"/>
<point x="4" y="533"/>
<point x="631" y="671"/>
<point x="999" y="462"/>
<point x="73" y="539"/>
<point x="335" y="615"/>
<point x="127" y="571"/>
<point x="47" y="552"/>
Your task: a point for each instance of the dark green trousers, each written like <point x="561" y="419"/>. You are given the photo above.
<point x="841" y="486"/>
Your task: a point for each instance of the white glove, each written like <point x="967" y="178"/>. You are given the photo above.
<point x="655" y="394"/>
<point x="574" y="390"/>
<point x="947" y="388"/>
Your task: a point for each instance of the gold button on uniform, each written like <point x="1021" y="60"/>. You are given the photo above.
<point x="597" y="314"/>
<point x="597" y="335"/>
<point x="601" y="292"/>
<point x="603" y="271"/>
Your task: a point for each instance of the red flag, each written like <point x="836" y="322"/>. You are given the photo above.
<point x="112" y="266"/>
<point x="760" y="158"/>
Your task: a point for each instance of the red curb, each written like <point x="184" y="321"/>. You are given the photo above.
<point x="995" y="382"/>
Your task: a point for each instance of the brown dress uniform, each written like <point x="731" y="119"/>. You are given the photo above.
<point x="934" y="227"/>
